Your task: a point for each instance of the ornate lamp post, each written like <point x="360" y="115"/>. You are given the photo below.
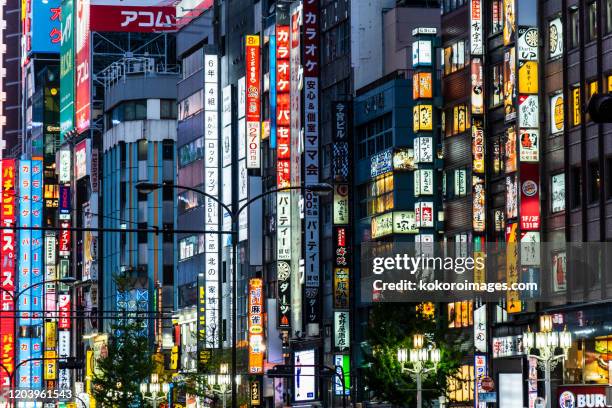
<point x="154" y="391"/>
<point x="422" y="361"/>
<point x="547" y="342"/>
<point x="223" y="381"/>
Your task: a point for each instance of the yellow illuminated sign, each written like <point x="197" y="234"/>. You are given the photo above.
<point x="528" y="77"/>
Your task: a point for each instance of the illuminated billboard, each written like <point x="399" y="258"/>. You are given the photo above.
<point x="256" y="326"/>
<point x="83" y="66"/>
<point x="42" y="30"/>
<point x="7" y="251"/>
<point x="132" y="16"/>
<point x="305" y="378"/>
<point x="253" y="102"/>
<point x="211" y="186"/>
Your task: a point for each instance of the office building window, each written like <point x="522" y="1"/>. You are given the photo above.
<point x="455" y="57"/>
<point x="576" y="107"/>
<point x="450" y="5"/>
<point x="594" y="182"/>
<point x="574" y="27"/>
<point x="167" y="109"/>
<point x="456" y="120"/>
<point x="576" y="187"/>
<point x="591" y="21"/>
<point x="497" y="16"/>
<point x="193" y="63"/>
<point x="374" y="136"/>
<point x="188" y="200"/>
<point x="376" y="197"/>
<point x="191" y="105"/>
<point x="497" y="85"/>
<point x="191" y="152"/>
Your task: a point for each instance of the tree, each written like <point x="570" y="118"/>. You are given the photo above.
<point x="127" y="363"/>
<point x="391" y="327"/>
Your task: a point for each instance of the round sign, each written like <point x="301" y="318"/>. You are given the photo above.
<point x="487" y="384"/>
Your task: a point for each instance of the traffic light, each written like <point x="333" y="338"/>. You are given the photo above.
<point x="600" y="108"/>
<point x="280" y="371"/>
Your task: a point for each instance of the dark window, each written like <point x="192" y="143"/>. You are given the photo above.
<point x="574" y="28"/>
<point x="129" y="111"/>
<point x="168" y="150"/>
<point x="594" y="182"/>
<point x="123" y="192"/>
<point x="450" y="5"/>
<point x="142" y="149"/>
<point x="224" y="272"/>
<point x="123" y="153"/>
<point x="167" y="109"/>
<point x="168" y="193"/>
<point x="142" y="196"/>
<point x="592" y="21"/>
<point x="140" y="109"/>
<point x="168" y="235"/>
<point x="168" y="275"/>
<point x="576" y="187"/>
<point x="142" y="233"/>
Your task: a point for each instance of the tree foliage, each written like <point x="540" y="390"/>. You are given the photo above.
<point x="127" y="363"/>
<point x="391" y="326"/>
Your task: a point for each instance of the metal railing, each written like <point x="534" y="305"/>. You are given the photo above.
<point x="120" y="70"/>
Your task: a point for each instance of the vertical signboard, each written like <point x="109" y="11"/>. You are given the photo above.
<point x="83" y="68"/>
<point x="67" y="70"/>
<point x="45" y="29"/>
<point x="253" y="102"/>
<point x="311" y="161"/>
<point x="283" y="276"/>
<point x="37" y="273"/>
<point x="297" y="145"/>
<point x="24" y="344"/>
<point x="283" y="177"/>
<point x="272" y="94"/>
<point x="7" y="269"/>
<point x="256" y="326"/>
<point x="211" y="186"/>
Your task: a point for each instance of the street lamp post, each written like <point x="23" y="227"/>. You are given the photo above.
<point x="422" y="360"/>
<point x="546" y="342"/>
<point x="154" y="391"/>
<point x="320" y="188"/>
<point x="224" y="382"/>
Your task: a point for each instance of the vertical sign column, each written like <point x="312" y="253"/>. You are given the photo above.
<point x="341" y="233"/>
<point x="256" y="326"/>
<point x="528" y="147"/>
<point x="37" y="272"/>
<point x="513" y="303"/>
<point x="83" y="67"/>
<point x="7" y="269"/>
<point x="283" y="176"/>
<point x="253" y="102"/>
<point x="24" y="343"/>
<point x="211" y="186"/>
<point x="425" y="141"/>
<point x="296" y="146"/>
<point x="67" y="70"/>
<point x="478" y="188"/>
<point x="312" y="306"/>
<point x="478" y="138"/>
<point x="64" y="246"/>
